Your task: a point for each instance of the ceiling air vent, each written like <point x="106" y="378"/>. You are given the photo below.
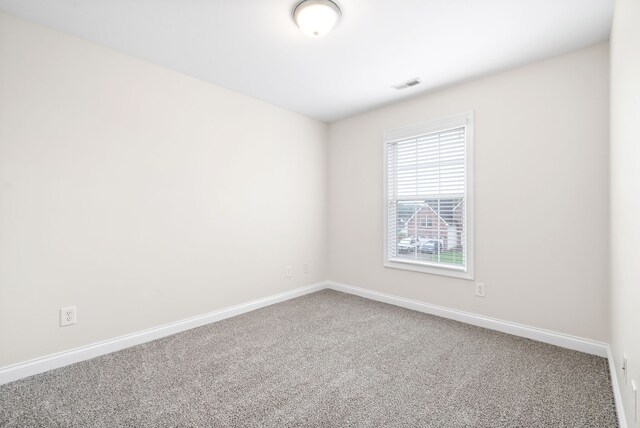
<point x="407" y="84"/>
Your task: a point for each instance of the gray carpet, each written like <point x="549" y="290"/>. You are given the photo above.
<point x="327" y="359"/>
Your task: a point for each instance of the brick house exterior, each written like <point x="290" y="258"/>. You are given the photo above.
<point x="439" y="219"/>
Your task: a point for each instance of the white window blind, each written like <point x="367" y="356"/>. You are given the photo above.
<point x="427" y="188"/>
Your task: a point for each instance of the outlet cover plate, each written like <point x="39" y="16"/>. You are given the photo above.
<point x="67" y="316"/>
<point x="481" y="289"/>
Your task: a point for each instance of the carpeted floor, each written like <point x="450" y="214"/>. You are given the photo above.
<point x="327" y="359"/>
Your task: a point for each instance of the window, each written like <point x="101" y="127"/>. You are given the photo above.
<point x="429" y="197"/>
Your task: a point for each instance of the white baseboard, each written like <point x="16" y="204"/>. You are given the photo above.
<point x="617" y="395"/>
<point x="60" y="359"/>
<point x="546" y="336"/>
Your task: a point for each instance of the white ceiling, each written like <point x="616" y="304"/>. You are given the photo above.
<point x="253" y="46"/>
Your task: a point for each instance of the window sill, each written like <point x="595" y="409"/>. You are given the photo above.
<point x="425" y="268"/>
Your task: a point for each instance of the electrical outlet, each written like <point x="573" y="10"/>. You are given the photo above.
<point x="480" y="289"/>
<point x="67" y="316"/>
<point x="287" y="271"/>
<point x="306" y="269"/>
<point x="625" y="364"/>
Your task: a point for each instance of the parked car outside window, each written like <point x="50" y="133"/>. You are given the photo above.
<point x="408" y="245"/>
<point x="432" y="246"/>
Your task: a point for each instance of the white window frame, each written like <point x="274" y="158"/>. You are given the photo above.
<point x="464" y="119"/>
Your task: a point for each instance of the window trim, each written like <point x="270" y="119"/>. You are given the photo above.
<point x="464" y="119"/>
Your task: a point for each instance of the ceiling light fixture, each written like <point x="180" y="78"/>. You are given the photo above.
<point x="316" y="17"/>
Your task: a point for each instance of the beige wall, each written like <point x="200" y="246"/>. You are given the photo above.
<point x="625" y="195"/>
<point x="541" y="218"/>
<point x="140" y="195"/>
